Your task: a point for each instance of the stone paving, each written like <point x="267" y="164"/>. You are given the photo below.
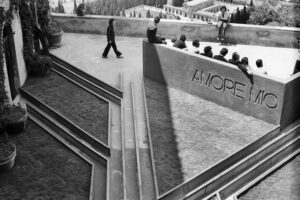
<point x="187" y="128"/>
<point x="191" y="134"/>
<point x="283" y="184"/>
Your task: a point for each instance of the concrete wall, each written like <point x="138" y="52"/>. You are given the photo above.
<point x="237" y="33"/>
<point x="18" y="38"/>
<point x="291" y="106"/>
<point x="270" y="99"/>
<point x="21" y="72"/>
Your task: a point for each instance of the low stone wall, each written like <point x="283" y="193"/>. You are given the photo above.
<point x="260" y="96"/>
<point x="136" y="27"/>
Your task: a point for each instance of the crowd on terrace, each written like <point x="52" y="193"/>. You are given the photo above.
<point x="241" y="63"/>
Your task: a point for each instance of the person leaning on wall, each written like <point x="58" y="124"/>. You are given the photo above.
<point x="152" y="32"/>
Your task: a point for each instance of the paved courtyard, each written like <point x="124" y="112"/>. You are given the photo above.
<point x="189" y="126"/>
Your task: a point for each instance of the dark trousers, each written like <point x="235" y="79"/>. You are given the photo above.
<point x="107" y="48"/>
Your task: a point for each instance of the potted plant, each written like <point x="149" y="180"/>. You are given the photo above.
<point x="14" y="119"/>
<point x="81" y="10"/>
<point x="8" y="153"/>
<point x="38" y="65"/>
<point x="54" y="34"/>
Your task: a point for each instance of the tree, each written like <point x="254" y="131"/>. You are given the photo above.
<point x="60" y="7"/>
<point x="178" y="3"/>
<point x="251" y="3"/>
<point x="134" y="14"/>
<point x="238" y="16"/>
<point x="123" y="12"/>
<point x="75" y="7"/>
<point x="148" y="13"/>
<point x="160" y="14"/>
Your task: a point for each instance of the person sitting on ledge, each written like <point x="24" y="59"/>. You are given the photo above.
<point x="222" y="55"/>
<point x="244" y="66"/>
<point x="235" y="60"/>
<point x="223" y="18"/>
<point x="207" y="52"/>
<point x="173" y="40"/>
<point x="195" y="48"/>
<point x="151" y="33"/>
<point x="180" y="43"/>
<point x="260" y="69"/>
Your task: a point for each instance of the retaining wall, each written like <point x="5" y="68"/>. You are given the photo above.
<point x="136" y="27"/>
<point x="264" y="97"/>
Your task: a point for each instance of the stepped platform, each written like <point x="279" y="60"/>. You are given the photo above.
<point x="282" y="184"/>
<point x="189" y="134"/>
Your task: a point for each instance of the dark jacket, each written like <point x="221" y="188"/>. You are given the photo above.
<point x="220" y="57"/>
<point x="151" y="34"/>
<point x="237" y="63"/>
<point x="207" y="55"/>
<point x="179" y="44"/>
<point x="110" y="34"/>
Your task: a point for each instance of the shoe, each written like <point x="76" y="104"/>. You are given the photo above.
<point x="104" y="57"/>
<point x="120" y="56"/>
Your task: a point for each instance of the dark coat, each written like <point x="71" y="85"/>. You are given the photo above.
<point x="237" y="63"/>
<point x="110" y="33"/>
<point x="179" y="44"/>
<point x="220" y="57"/>
<point x="151" y="34"/>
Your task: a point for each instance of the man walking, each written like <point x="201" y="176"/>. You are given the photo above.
<point x="111" y="40"/>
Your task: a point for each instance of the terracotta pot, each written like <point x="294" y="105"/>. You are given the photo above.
<point x="7" y="159"/>
<point x="54" y="39"/>
<point x="17" y="124"/>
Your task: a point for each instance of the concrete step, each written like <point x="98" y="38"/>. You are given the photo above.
<point x="215" y="171"/>
<point x="236" y="173"/>
<point x="76" y="130"/>
<point x="58" y="62"/>
<point x="85" y="84"/>
<point x="131" y="176"/>
<point x="99" y="165"/>
<point x="115" y="166"/>
<point x="259" y="170"/>
<point x="146" y="162"/>
<point x="66" y="133"/>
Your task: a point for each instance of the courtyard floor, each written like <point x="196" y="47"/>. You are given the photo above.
<point x="44" y="169"/>
<point x="188" y="125"/>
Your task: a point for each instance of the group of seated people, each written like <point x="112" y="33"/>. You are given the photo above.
<point x="243" y="63"/>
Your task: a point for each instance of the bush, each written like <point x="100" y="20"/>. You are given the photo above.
<point x="54" y="27"/>
<point x="81" y="10"/>
<point x="39" y="65"/>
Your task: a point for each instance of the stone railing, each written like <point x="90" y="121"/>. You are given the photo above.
<point x="136" y="27"/>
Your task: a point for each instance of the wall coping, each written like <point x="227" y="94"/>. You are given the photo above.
<point x="177" y="21"/>
<point x="229" y="65"/>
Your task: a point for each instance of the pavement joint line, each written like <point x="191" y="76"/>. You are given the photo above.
<point x="135" y="129"/>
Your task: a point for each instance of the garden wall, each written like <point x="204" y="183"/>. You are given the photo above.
<point x="267" y="98"/>
<point x="136" y="27"/>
